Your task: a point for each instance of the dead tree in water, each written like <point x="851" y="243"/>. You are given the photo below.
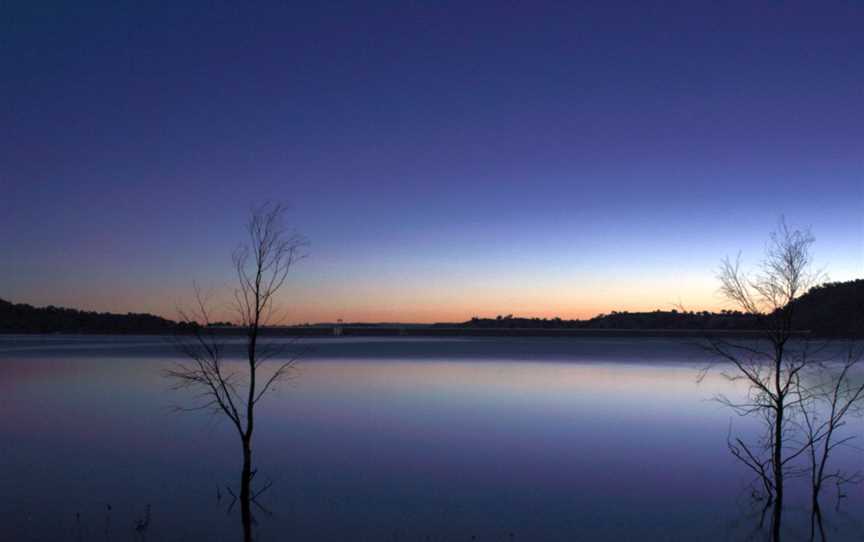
<point x="826" y="401"/>
<point x="262" y="266"/>
<point x="770" y="365"/>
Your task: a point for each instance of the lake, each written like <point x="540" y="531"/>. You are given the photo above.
<point x="390" y="439"/>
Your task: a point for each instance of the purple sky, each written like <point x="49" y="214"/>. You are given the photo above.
<point x="444" y="160"/>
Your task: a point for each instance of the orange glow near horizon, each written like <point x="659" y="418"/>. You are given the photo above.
<point x="440" y="303"/>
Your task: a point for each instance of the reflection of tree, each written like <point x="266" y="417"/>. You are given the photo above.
<point x="750" y="525"/>
<point x="262" y="268"/>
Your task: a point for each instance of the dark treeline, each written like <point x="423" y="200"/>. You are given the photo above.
<point x="23" y="318"/>
<point x="658" y="319"/>
<point x="835" y="308"/>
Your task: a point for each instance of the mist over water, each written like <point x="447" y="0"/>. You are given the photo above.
<point x="389" y="439"/>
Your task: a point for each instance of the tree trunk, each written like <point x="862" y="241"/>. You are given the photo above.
<point x="245" y="491"/>
<point x="778" y="475"/>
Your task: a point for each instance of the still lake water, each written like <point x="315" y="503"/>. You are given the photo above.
<point x="388" y="439"/>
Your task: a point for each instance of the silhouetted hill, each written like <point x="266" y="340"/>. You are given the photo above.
<point x="833" y="308"/>
<point x="23" y="318"/>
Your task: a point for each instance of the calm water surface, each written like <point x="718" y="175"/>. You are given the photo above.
<point x="388" y="439"/>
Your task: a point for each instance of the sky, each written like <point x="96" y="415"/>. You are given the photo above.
<point x="444" y="160"/>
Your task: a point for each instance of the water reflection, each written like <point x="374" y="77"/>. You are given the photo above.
<point x="575" y="442"/>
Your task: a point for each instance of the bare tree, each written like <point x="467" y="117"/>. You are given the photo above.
<point x="770" y="365"/>
<point x="262" y="266"/>
<point x="825" y="403"/>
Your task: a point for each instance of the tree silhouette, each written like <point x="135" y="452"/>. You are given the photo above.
<point x="772" y="365"/>
<point x="262" y="266"/>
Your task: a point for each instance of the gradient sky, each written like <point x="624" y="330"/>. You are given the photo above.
<point x="445" y="160"/>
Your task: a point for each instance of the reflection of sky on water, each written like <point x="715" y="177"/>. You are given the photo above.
<point x="472" y="437"/>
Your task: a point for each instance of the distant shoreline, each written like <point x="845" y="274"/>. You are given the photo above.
<point x="416" y="331"/>
<point x="828" y="310"/>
